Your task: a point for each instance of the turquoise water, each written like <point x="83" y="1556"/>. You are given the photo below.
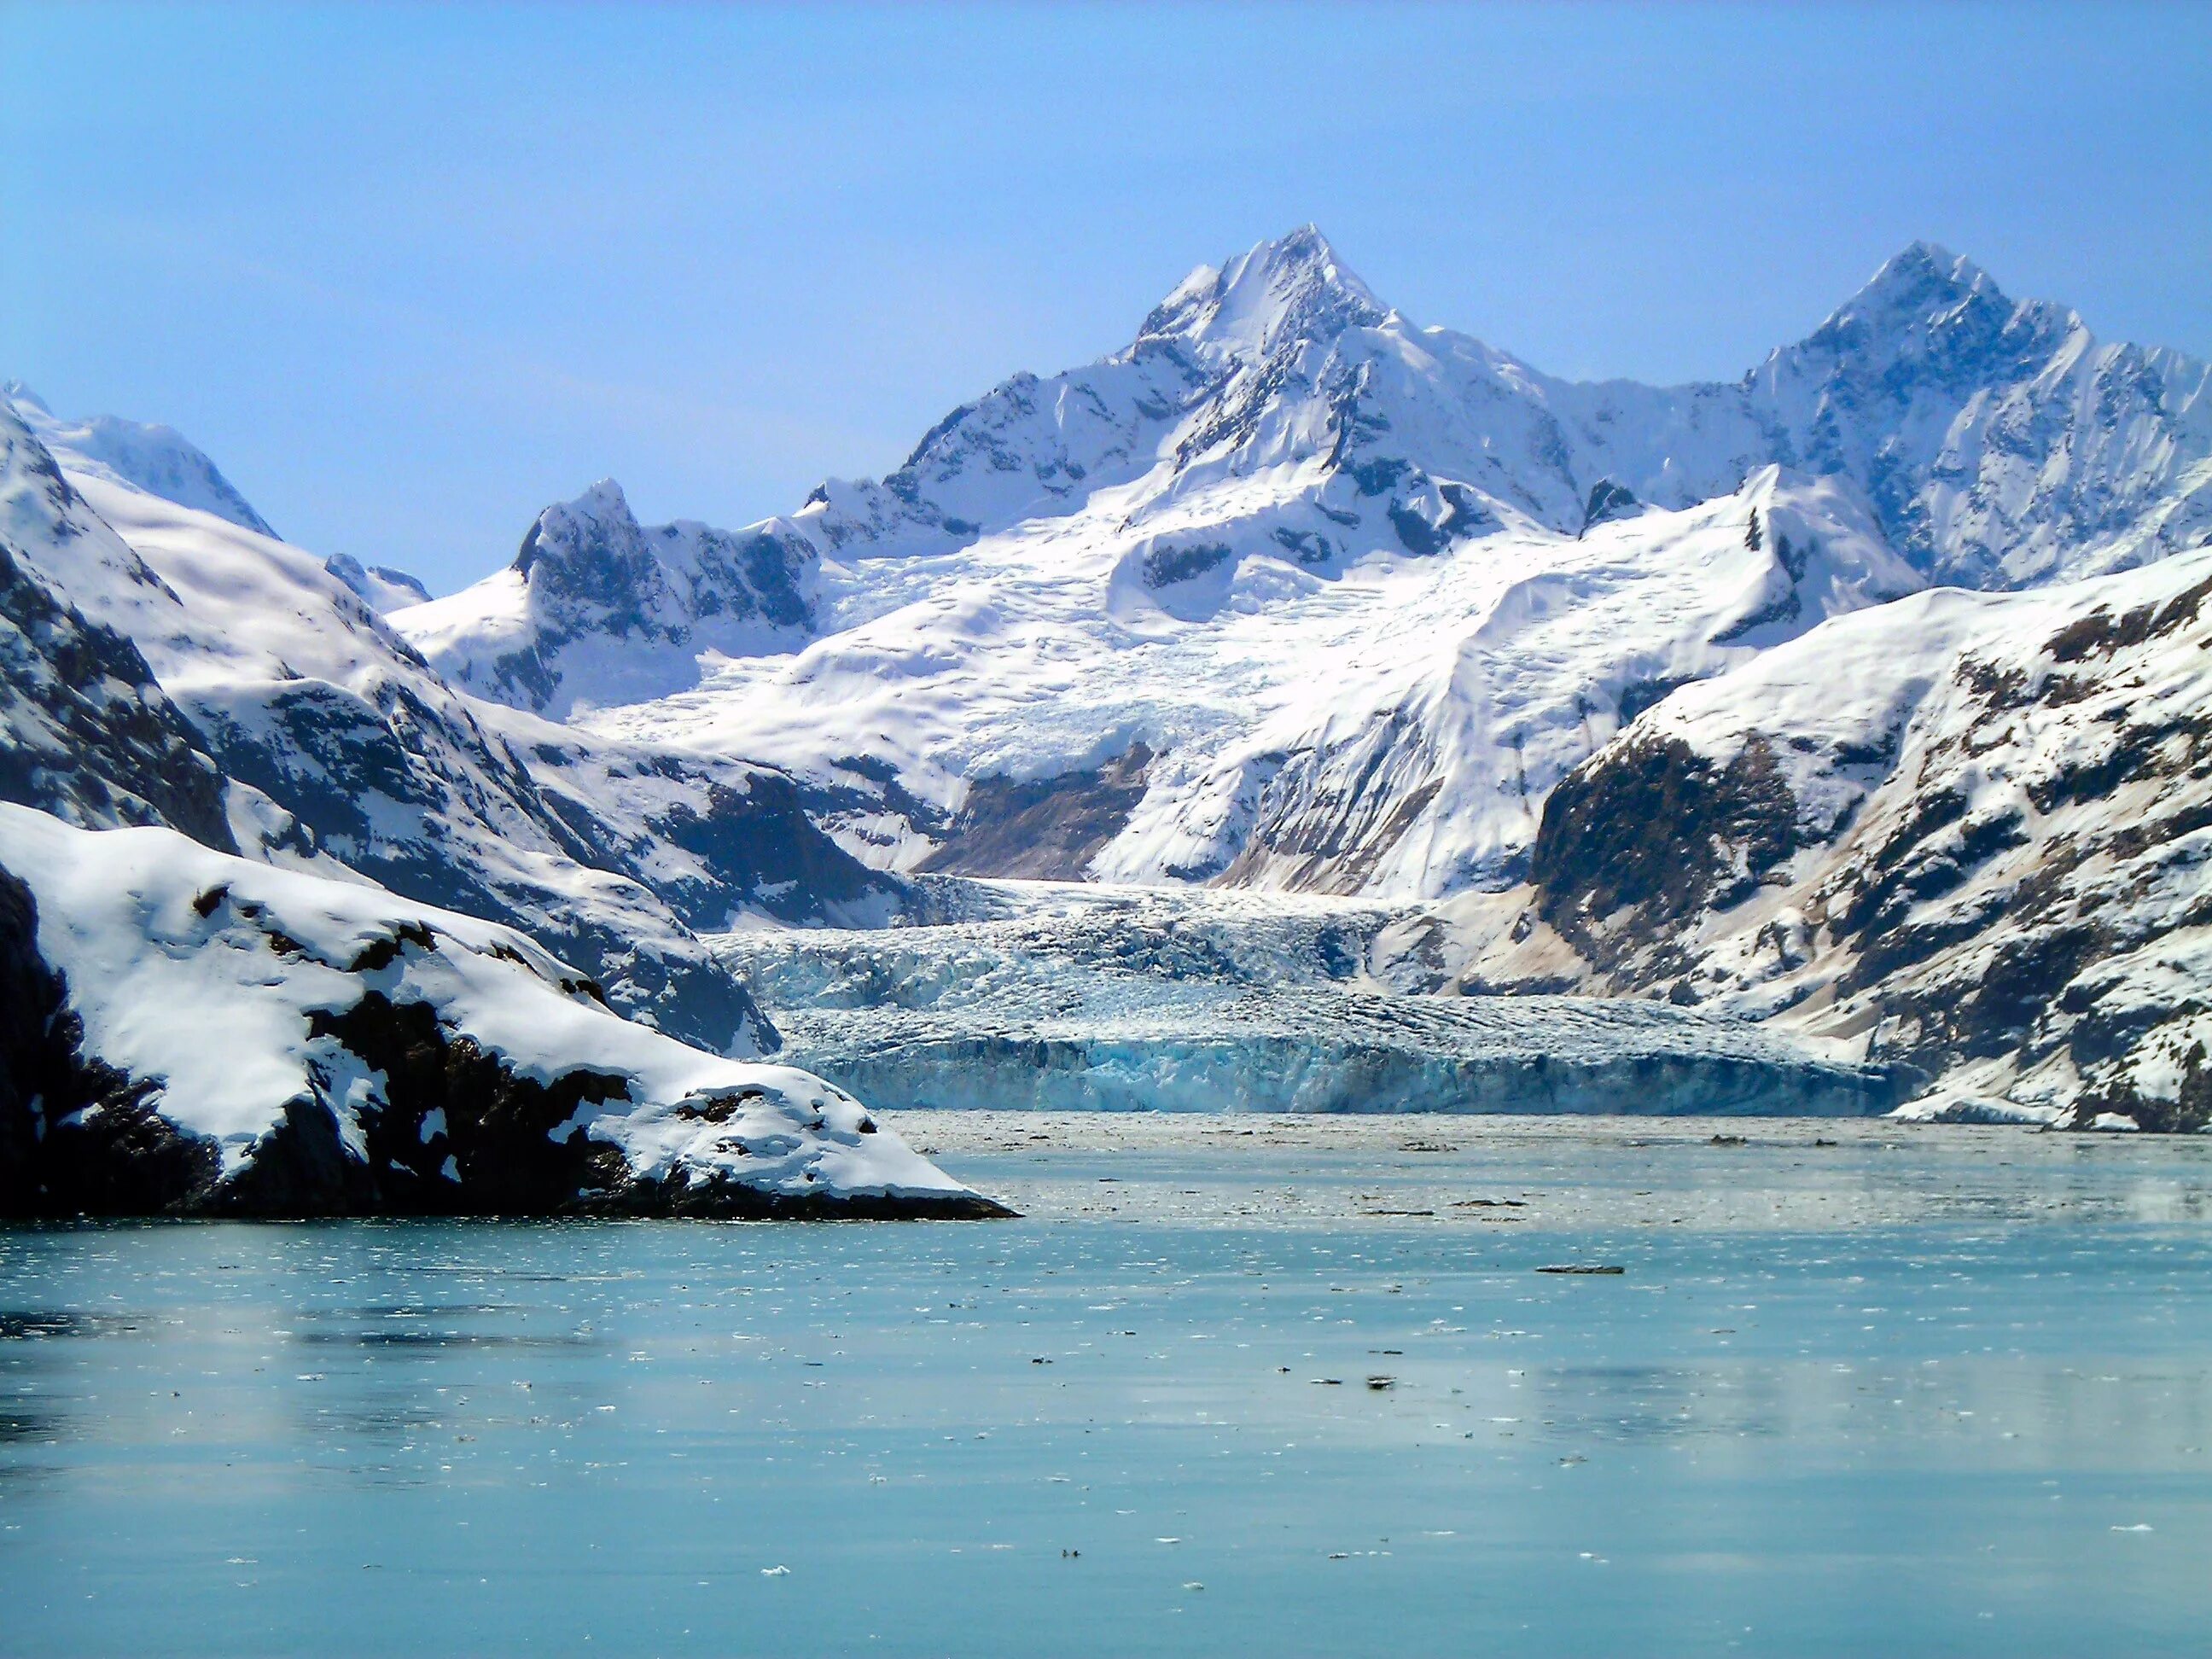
<point x="1968" y="1413"/>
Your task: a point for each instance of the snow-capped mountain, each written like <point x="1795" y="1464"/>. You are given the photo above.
<point x="1294" y="593"/>
<point x="2002" y="444"/>
<point x="1557" y="687"/>
<point x="160" y="461"/>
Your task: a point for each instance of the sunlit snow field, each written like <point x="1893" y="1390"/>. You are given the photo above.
<point x="1859" y="1389"/>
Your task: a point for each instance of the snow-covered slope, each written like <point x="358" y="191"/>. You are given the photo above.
<point x="353" y="751"/>
<point x="155" y="459"/>
<point x="1292" y="591"/>
<point x="1389" y="729"/>
<point x="86" y="731"/>
<point x="185" y="1031"/>
<point x="1968" y="831"/>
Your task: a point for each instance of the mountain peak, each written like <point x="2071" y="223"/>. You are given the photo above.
<point x="1291" y="286"/>
<point x="1304" y="252"/>
<point x="1925" y="277"/>
<point x="1926" y="294"/>
<point x="603" y="500"/>
<point x="1936" y="318"/>
<point x="595" y="529"/>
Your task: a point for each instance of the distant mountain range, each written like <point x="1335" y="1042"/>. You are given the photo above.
<point x="1859" y="696"/>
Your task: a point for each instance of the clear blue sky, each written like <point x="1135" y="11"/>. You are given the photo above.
<point x="411" y="274"/>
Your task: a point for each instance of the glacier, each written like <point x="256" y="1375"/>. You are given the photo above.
<point x="1058" y="996"/>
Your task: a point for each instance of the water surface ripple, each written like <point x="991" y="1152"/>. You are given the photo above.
<point x="1232" y="1385"/>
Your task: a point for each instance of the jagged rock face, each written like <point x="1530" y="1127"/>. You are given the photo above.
<point x="1300" y="549"/>
<point x="184" y="1032"/>
<point x="717" y="840"/>
<point x="599" y="609"/>
<point x="1973" y="833"/>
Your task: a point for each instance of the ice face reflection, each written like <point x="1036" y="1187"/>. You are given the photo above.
<point x="1923" y="1391"/>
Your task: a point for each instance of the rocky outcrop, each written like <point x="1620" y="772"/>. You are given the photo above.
<point x="1967" y="833"/>
<point x="186" y="1033"/>
<point x="1049" y="828"/>
<point x="1656" y="833"/>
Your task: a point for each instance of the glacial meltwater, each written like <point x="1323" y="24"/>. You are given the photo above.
<point x="1231" y="1385"/>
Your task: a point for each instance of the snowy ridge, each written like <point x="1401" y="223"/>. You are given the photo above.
<point x="228" y="1037"/>
<point x="596" y="608"/>
<point x="1420" y="765"/>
